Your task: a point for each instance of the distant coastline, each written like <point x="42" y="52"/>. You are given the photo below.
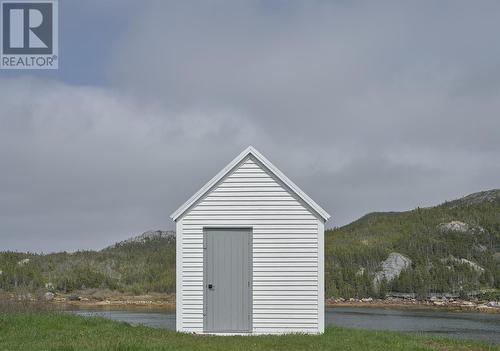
<point x="167" y="302"/>
<point x="454" y="305"/>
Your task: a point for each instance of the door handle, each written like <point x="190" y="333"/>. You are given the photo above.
<point x="210" y="286"/>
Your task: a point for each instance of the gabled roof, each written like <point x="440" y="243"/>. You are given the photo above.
<point x="250" y="151"/>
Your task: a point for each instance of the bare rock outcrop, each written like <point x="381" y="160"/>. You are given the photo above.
<point x="460" y="227"/>
<point x="49" y="296"/>
<point x="471" y="264"/>
<point x="147" y="236"/>
<point x="475" y="199"/>
<point x="23" y="262"/>
<point x="151" y="235"/>
<point x="454" y="226"/>
<point x="391" y="268"/>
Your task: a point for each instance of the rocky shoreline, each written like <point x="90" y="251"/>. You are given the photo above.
<point x="167" y="301"/>
<point x="411" y="303"/>
<point x="148" y="301"/>
<point x="112" y="303"/>
<point x="95" y="300"/>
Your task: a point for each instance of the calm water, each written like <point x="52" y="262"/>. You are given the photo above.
<point x="477" y="326"/>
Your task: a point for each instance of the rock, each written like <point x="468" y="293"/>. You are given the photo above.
<point x="462" y="227"/>
<point x="468" y="304"/>
<point x="477" y="198"/>
<point x="368" y="299"/>
<point x="391" y="268"/>
<point x="454" y="226"/>
<point x="147" y="236"/>
<point x="473" y="265"/>
<point x="479" y="229"/>
<point x="49" y="286"/>
<point x="438" y="303"/>
<point x="48" y="296"/>
<point x="403" y="296"/>
<point x="24" y="262"/>
<point x="480" y="248"/>
<point x="495" y="304"/>
<point x="25" y="297"/>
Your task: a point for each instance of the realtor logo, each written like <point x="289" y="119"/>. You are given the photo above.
<point x="29" y="34"/>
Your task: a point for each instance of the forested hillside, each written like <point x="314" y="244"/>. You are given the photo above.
<point x="142" y="264"/>
<point x="453" y="248"/>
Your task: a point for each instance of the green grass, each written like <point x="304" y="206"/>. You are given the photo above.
<point x="59" y="331"/>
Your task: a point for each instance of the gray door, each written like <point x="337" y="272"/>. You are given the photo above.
<point x="227" y="280"/>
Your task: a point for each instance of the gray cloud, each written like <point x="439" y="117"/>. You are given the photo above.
<point x="83" y="167"/>
<point x="354" y="68"/>
<point x="367" y="106"/>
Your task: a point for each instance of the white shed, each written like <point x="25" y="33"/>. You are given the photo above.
<point x="250" y="254"/>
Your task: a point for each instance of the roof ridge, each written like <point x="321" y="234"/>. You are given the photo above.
<point x="250" y="150"/>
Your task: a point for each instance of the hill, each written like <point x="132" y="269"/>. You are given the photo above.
<point x="450" y="248"/>
<point x="145" y="263"/>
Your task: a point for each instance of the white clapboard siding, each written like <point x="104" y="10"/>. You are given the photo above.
<point x="285" y="250"/>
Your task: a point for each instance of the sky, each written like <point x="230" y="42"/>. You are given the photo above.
<point x="367" y="106"/>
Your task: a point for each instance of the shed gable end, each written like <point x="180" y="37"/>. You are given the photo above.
<point x="250" y="190"/>
<point x="252" y="155"/>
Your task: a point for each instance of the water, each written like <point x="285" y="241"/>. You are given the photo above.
<point x="464" y="325"/>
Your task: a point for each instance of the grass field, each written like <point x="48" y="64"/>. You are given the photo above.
<point x="60" y="331"/>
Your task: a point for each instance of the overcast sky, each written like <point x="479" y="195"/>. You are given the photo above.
<point x="367" y="106"/>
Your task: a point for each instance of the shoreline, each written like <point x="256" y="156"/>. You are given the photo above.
<point x="417" y="307"/>
<point x="135" y="302"/>
<point x="118" y="304"/>
<point x="161" y="301"/>
<point x="451" y="305"/>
